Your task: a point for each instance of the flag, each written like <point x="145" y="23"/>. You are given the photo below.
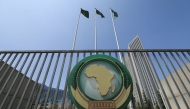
<point x="114" y="13"/>
<point x="85" y="13"/>
<point x="98" y="12"/>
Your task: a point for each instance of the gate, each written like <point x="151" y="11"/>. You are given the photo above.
<point x="38" y="79"/>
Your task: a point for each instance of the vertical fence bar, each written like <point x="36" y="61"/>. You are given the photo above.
<point x="84" y="55"/>
<point x="10" y="88"/>
<point x="43" y="83"/>
<point x="116" y="55"/>
<point x="124" y="62"/>
<point x="160" y="86"/>
<point x="76" y="63"/>
<point x="103" y="53"/>
<point x="5" y="61"/>
<point x="173" y="77"/>
<point x="122" y="58"/>
<point x="137" y="70"/>
<point x="10" y="75"/>
<point x="151" y="79"/>
<point x="177" y="105"/>
<point x="32" y="92"/>
<point x="151" y="69"/>
<point x="144" y="71"/>
<point x="186" y="105"/>
<point x="143" y="79"/>
<point x="183" y="61"/>
<point x="78" y="57"/>
<point x="7" y="67"/>
<point x="188" y="53"/>
<point x="141" y="99"/>
<point x="133" y="102"/>
<point x="59" y="80"/>
<point x="180" y="66"/>
<point x="21" y="81"/>
<point x="138" y="62"/>
<point x="51" y="81"/>
<point x="109" y="53"/>
<point x="184" y="56"/>
<point x="3" y="57"/>
<point x="65" y="89"/>
<point x="144" y="74"/>
<point x="135" y="76"/>
<point x="18" y="106"/>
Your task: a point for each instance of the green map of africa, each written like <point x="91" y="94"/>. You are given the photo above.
<point x="102" y="76"/>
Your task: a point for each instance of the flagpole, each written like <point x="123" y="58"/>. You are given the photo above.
<point x="95" y="31"/>
<point x="76" y="32"/>
<point x="116" y="35"/>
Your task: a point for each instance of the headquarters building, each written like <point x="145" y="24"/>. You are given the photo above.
<point x="142" y="72"/>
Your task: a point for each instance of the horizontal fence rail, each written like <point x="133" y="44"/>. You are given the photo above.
<point x="38" y="79"/>
<point x="103" y="50"/>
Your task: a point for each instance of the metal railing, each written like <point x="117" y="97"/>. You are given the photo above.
<point x="38" y="79"/>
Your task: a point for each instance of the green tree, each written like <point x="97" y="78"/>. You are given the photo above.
<point x="42" y="105"/>
<point x="156" y="105"/>
<point x="146" y="101"/>
<point x="138" y="106"/>
<point x="161" y="100"/>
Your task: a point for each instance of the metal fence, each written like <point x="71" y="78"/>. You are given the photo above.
<point x="38" y="79"/>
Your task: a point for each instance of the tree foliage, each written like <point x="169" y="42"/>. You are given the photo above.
<point x="161" y="101"/>
<point x="146" y="101"/>
<point x="138" y="106"/>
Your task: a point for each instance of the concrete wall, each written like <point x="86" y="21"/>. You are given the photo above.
<point x="174" y="89"/>
<point x="15" y="85"/>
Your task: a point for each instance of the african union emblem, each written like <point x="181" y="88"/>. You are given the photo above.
<point x="100" y="82"/>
